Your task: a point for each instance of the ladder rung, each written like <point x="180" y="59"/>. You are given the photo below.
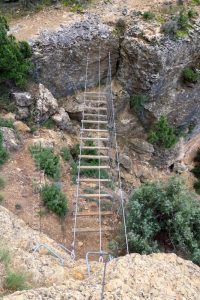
<point x="94" y="213"/>
<point x="95" y="108"/>
<point x="94" y="148"/>
<point x="94" y="156"/>
<point x="95" y="93"/>
<point x="94" y="122"/>
<point x="96" y="101"/>
<point x="95" y="196"/>
<point x="95" y="139"/>
<point x="88" y="229"/>
<point x="94" y="167"/>
<point x="95" y="130"/>
<point x="95" y="115"/>
<point x="93" y="180"/>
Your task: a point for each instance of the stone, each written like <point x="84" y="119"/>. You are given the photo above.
<point x="22" y="113"/>
<point x="46" y="104"/>
<point x="180" y="167"/>
<point x="23" y="99"/>
<point x="141" y="146"/>
<point x="10" y="140"/>
<point x="9" y="116"/>
<point x="62" y="120"/>
<point x="125" y="161"/>
<point x="20" y="126"/>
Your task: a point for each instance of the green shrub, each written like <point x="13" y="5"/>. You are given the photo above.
<point x="196" y="2"/>
<point x="2" y="183"/>
<point x="4" y="156"/>
<point x="6" y="123"/>
<point x="54" y="199"/>
<point x="65" y="153"/>
<point x="16" y="281"/>
<point x="49" y="124"/>
<point x="190" y="76"/>
<point x="162" y="134"/>
<point x="192" y="13"/>
<point x="148" y="15"/>
<point x="164" y="216"/>
<point x="46" y="160"/>
<point x="14" y="57"/>
<point x="137" y="102"/>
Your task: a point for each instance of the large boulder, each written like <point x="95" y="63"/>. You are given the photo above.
<point x="62" y="120"/>
<point x="46" y="104"/>
<point x="60" y="57"/>
<point x="10" y="139"/>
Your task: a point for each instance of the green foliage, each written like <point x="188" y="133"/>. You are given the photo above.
<point x="148" y="15"/>
<point x="189" y="75"/>
<point x="2" y="183"/>
<point x="46" y="160"/>
<point x="14" y="57"/>
<point x="54" y="199"/>
<point x="16" y="281"/>
<point x="196" y="172"/>
<point x="6" y="123"/>
<point x="49" y="124"/>
<point x="3" y="152"/>
<point x="162" y="134"/>
<point x="164" y="216"/>
<point x="192" y="13"/>
<point x="196" y="2"/>
<point x="137" y="102"/>
<point x="65" y="153"/>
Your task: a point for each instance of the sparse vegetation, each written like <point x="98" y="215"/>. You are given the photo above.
<point x="196" y="172"/>
<point x="2" y="183"/>
<point x="137" y="102"/>
<point x="14" y="57"/>
<point x="4" y="256"/>
<point x="164" y="217"/>
<point x="120" y="27"/>
<point x="6" y="123"/>
<point x="16" y="281"/>
<point x="1" y="198"/>
<point x="190" y="75"/>
<point x="3" y="152"/>
<point x="148" y="15"/>
<point x="18" y="206"/>
<point x="65" y="153"/>
<point x="46" y="160"/>
<point x="54" y="199"/>
<point x="162" y="134"/>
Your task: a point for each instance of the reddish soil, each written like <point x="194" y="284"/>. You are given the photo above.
<point x="19" y="196"/>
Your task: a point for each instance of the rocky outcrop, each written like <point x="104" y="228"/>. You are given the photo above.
<point x="134" y="277"/>
<point x="10" y="139"/>
<point x="61" y="57"/>
<point x="152" y="65"/>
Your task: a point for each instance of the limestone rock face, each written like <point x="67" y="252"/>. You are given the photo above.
<point x="60" y="57"/>
<point x="62" y="120"/>
<point x="156" y="70"/>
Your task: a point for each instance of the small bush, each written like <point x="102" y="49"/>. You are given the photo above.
<point x="18" y="206"/>
<point x="54" y="199"/>
<point x="148" y="15"/>
<point x="120" y="27"/>
<point x="2" y="183"/>
<point x="137" y="102"/>
<point x="196" y="2"/>
<point x="16" y="281"/>
<point x="49" y="124"/>
<point x="46" y="160"/>
<point x="164" y="217"/>
<point x="162" y="134"/>
<point x="6" y="123"/>
<point x="189" y="75"/>
<point x="65" y="153"/>
<point x="192" y="13"/>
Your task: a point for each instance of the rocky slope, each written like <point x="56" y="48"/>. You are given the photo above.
<point x="157" y="276"/>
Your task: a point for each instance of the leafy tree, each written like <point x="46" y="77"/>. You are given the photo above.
<point x="164" y="216"/>
<point x="14" y="57"/>
<point x="162" y="134"/>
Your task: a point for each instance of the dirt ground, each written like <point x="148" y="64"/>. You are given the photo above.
<point x="20" y="175"/>
<point x="29" y="27"/>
